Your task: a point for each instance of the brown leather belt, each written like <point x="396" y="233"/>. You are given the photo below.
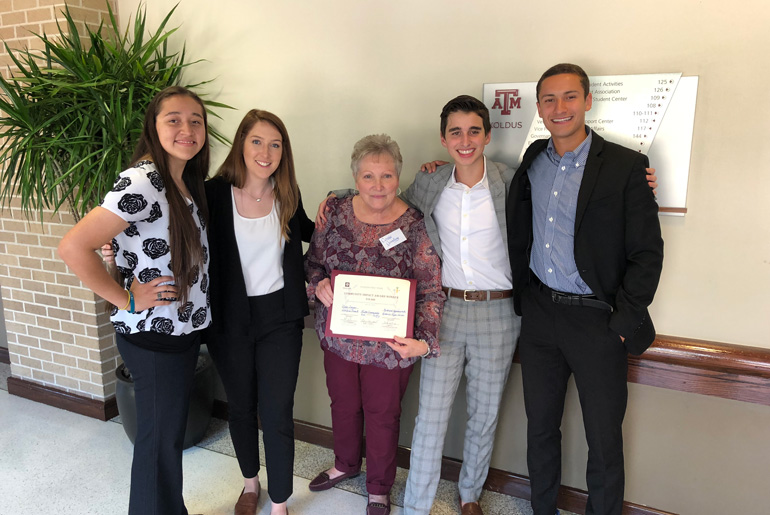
<point x="476" y="295"/>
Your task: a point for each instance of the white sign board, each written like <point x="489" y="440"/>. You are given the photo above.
<point x="652" y="114"/>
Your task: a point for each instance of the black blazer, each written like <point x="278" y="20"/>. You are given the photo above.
<point x="617" y="244"/>
<point x="229" y="302"/>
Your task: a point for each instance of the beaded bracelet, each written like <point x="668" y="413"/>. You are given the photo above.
<point x="128" y="301"/>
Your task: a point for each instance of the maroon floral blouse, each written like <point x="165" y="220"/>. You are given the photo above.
<point x="349" y="245"/>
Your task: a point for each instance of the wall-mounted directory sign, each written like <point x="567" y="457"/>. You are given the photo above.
<point x="651" y="113"/>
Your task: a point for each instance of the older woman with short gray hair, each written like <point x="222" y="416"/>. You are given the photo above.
<point x="375" y="144"/>
<point x="366" y="379"/>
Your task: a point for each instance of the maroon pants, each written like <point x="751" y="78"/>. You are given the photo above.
<point x="366" y="393"/>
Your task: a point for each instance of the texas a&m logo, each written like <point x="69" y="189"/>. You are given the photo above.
<point x="506" y="99"/>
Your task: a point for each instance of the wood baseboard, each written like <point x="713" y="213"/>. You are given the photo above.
<point x="500" y="481"/>
<point x="102" y="410"/>
<point x="5" y="356"/>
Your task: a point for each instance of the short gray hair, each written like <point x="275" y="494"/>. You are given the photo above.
<point x="375" y="144"/>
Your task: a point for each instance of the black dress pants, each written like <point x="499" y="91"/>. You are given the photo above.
<point x="259" y="373"/>
<point x="556" y="341"/>
<point x="162" y="384"/>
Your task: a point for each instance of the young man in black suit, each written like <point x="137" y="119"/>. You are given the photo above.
<point x="586" y="256"/>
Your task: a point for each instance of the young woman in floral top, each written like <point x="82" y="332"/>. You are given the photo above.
<point x="156" y="217"/>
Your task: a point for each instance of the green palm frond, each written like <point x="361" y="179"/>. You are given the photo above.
<point x="72" y="113"/>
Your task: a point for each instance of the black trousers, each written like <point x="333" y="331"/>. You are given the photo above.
<point x="557" y="341"/>
<point x="259" y="373"/>
<point x="162" y="384"/>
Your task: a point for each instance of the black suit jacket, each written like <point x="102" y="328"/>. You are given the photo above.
<point x="229" y="302"/>
<point x="617" y="243"/>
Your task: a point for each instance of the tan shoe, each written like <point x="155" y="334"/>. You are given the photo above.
<point x="247" y="503"/>
<point x="470" y="508"/>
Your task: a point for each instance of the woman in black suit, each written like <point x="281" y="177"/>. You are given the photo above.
<point x="258" y="299"/>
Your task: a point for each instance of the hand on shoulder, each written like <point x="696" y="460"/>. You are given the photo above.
<point x="432" y="166"/>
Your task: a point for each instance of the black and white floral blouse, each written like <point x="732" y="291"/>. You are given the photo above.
<point x="142" y="252"/>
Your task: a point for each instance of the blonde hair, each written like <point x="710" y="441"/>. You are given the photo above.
<point x="374" y="145"/>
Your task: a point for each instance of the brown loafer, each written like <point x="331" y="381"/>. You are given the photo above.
<point x="323" y="482"/>
<point x="378" y="508"/>
<point x="470" y="508"/>
<point x="247" y="503"/>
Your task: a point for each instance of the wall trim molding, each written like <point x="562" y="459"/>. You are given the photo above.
<point x="682" y="210"/>
<point x="729" y="371"/>
<point x="5" y="356"/>
<point x="724" y="370"/>
<point x="102" y="410"/>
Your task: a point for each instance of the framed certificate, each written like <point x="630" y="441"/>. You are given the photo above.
<point x="371" y="307"/>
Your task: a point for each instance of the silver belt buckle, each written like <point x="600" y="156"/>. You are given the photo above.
<point x="465" y="295"/>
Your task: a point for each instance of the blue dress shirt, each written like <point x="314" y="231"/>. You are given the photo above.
<point x="555" y="184"/>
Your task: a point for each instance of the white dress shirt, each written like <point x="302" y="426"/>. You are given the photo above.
<point x="474" y="256"/>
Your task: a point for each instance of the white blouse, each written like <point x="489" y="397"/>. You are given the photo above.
<point x="260" y="246"/>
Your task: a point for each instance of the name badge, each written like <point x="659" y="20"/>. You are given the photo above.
<point x="391" y="240"/>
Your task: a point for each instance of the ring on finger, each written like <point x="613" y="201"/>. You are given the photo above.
<point x="160" y="296"/>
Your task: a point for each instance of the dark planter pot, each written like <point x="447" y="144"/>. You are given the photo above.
<point x="201" y="400"/>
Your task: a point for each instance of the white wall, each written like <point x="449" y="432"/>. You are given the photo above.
<point x="339" y="69"/>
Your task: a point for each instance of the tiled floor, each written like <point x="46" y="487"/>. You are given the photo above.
<point x="74" y="465"/>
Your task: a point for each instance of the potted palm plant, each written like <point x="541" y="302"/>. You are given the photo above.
<point x="72" y="112"/>
<point x="71" y="115"/>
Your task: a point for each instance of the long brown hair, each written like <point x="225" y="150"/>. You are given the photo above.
<point x="184" y="239"/>
<point x="233" y="169"/>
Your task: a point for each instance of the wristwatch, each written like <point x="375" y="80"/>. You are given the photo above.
<point x="428" y="352"/>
